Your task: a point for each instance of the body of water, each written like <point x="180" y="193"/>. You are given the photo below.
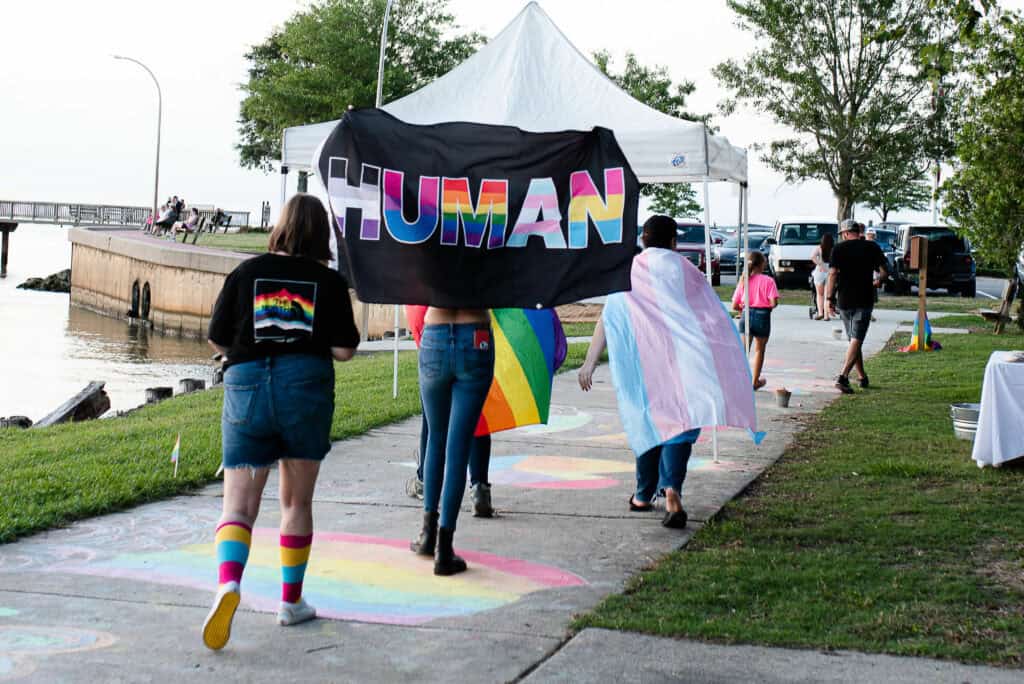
<point x="49" y="350"/>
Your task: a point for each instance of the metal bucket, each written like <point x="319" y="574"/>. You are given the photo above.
<point x="965" y="420"/>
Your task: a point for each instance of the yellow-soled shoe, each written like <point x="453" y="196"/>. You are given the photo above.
<point x="217" y="628"/>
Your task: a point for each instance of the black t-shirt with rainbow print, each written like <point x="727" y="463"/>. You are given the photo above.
<point x="275" y="304"/>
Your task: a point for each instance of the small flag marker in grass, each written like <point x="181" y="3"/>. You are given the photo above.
<point x="175" y="454"/>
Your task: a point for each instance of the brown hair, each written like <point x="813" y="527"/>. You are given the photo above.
<point x="303" y="229"/>
<point x="826" y="244"/>
<point x="755" y="261"/>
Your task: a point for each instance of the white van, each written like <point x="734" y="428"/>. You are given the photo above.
<point x="792" y="241"/>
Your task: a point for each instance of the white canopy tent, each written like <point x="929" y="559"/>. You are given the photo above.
<point x="532" y="77"/>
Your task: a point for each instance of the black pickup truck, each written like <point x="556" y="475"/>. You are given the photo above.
<point x="950" y="263"/>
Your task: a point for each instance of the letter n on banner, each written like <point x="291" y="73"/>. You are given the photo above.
<point x="364" y="198"/>
<point x="586" y="202"/>
<point x="457" y="206"/>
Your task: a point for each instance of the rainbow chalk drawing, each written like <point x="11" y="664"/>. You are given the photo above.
<point x="425" y="224"/>
<point x="557" y="472"/>
<point x="22" y="645"/>
<point x="557" y="422"/>
<point x="350" y="577"/>
<point x="457" y="206"/>
<point x="586" y="201"/>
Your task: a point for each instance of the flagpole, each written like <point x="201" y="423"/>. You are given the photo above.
<point x="379" y="102"/>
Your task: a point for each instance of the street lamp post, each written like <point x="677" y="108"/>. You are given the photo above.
<point x="159" y="117"/>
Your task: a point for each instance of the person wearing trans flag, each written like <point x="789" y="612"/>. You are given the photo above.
<point x="677" y="365"/>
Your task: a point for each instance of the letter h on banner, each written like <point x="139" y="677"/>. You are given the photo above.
<point x="365" y="197"/>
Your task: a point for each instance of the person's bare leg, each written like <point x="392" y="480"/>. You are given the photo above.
<point x="822" y="311"/>
<point x="852" y="355"/>
<point x="298" y="479"/>
<point x="243" y="490"/>
<point x="759" y="346"/>
<point x="859" y="363"/>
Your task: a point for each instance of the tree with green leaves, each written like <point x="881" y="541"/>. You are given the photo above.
<point x="654" y="87"/>
<point x="325" y="59"/>
<point x="985" y="195"/>
<point x="898" y="176"/>
<point x="845" y="76"/>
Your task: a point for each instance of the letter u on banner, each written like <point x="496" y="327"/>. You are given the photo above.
<point x="425" y="224"/>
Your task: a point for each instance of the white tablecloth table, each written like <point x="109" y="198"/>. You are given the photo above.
<point x="1000" y="435"/>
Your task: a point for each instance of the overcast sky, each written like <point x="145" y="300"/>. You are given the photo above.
<point x="76" y="125"/>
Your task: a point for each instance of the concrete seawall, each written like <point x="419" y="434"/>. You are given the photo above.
<point x="174" y="286"/>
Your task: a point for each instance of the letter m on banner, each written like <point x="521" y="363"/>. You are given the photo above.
<point x="364" y="197"/>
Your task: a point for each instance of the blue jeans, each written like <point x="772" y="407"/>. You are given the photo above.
<point x="663" y="467"/>
<point x="277" y="407"/>
<point x="479" y="456"/>
<point x="456" y="367"/>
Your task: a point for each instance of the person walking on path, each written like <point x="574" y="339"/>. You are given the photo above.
<point x="479" y="452"/>
<point x="663" y="467"/>
<point x="764" y="297"/>
<point x="857" y="270"/>
<point x="456" y="366"/>
<point x="280" y="321"/>
<point x="819" y="276"/>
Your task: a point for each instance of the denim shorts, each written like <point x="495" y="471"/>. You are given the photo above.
<point x="277" y="407"/>
<point x="760" y="322"/>
<point x="856" y="322"/>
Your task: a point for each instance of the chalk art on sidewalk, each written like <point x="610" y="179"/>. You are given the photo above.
<point x="22" y="645"/>
<point x="350" y="577"/>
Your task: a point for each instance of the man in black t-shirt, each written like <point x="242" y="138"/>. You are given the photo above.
<point x="852" y="281"/>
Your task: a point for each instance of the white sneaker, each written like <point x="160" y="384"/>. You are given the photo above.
<point x="295" y="613"/>
<point x="217" y="628"/>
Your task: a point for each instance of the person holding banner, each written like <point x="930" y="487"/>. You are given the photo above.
<point x="456" y="367"/>
<point x="280" y="321"/>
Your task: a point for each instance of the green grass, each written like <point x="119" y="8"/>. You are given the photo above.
<point x="53" y="476"/>
<point x="874" y="532"/>
<point x="255" y="243"/>
<point x="579" y="329"/>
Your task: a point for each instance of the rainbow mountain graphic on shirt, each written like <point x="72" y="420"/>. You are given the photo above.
<point x="283" y="310"/>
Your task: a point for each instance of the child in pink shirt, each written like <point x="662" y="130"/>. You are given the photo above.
<point x="764" y="296"/>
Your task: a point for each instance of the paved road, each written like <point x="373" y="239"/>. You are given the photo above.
<point x="988" y="288"/>
<point x="122" y="597"/>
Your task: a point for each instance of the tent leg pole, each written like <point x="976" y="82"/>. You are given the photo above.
<point x="284" y="189"/>
<point x="707" y="232"/>
<point x="394" y="389"/>
<point x="741" y="245"/>
<point x="746" y="273"/>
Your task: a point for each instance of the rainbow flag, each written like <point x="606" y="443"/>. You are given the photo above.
<point x="177" y="450"/>
<point x="919" y="342"/>
<point x="529" y="346"/>
<point x="677" y="361"/>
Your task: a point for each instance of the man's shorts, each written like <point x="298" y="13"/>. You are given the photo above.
<point x="856" y="322"/>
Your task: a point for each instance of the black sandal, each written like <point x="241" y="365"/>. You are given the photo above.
<point x="639" y="508"/>
<point x="675" y="520"/>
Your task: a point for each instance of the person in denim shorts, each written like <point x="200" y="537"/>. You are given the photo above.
<point x="764" y="297"/>
<point x="456" y="367"/>
<point x="280" y="322"/>
<point x="857" y="270"/>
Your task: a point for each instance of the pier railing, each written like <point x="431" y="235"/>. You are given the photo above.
<point x="73" y="214"/>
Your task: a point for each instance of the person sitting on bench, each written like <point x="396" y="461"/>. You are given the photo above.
<point x="189" y="224"/>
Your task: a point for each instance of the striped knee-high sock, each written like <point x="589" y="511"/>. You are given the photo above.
<point x="294" y="556"/>
<point x="232" y="541"/>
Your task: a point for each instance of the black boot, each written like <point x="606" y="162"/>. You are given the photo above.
<point x="445" y="560"/>
<point x="424" y="546"/>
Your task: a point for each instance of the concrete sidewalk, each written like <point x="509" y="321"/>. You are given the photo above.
<point x="122" y="597"/>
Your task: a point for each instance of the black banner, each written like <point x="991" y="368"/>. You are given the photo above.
<point x="462" y="215"/>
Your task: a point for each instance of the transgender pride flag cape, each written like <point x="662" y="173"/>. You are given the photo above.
<point x="676" y="360"/>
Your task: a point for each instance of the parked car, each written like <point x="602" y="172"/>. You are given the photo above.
<point x="790" y="246"/>
<point x="753" y="227"/>
<point x="690" y="243"/>
<point x="951" y="265"/>
<point x="728" y="250"/>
